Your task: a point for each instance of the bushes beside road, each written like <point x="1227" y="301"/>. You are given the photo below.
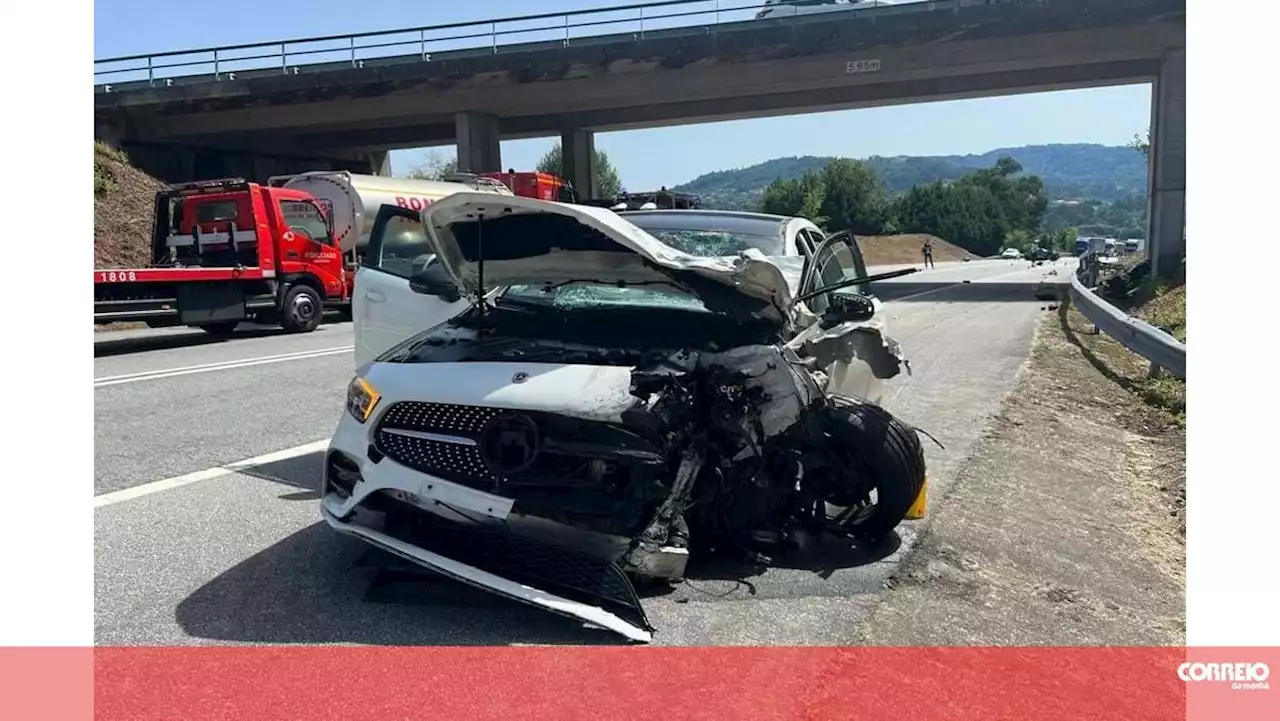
<point x="123" y="205"/>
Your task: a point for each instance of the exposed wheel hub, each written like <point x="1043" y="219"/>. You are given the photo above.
<point x="304" y="308"/>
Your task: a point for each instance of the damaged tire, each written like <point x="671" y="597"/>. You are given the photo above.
<point x="890" y="460"/>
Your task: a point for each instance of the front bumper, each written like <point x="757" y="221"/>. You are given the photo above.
<point x="465" y="536"/>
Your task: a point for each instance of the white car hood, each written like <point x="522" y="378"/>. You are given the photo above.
<point x="530" y="241"/>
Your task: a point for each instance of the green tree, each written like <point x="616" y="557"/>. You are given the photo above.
<point x="1022" y="199"/>
<point x="853" y="198"/>
<point x="813" y="193"/>
<point x="967" y="214"/>
<point x="782" y="197"/>
<point x="801" y="197"/>
<point x="434" y="167"/>
<point x="1142" y="143"/>
<point x="1062" y="240"/>
<point x="607" y="181"/>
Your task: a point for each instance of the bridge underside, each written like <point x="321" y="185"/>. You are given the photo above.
<point x="180" y="162"/>
<point x="347" y="117"/>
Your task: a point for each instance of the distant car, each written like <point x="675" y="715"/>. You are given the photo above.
<point x="1040" y="253"/>
<point x="1012" y="253"/>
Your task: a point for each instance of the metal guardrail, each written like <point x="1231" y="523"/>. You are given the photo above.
<point x="1163" y="350"/>
<point x="215" y="63"/>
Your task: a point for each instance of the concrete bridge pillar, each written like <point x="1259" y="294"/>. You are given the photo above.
<point x="1166" y="212"/>
<point x="479" y="143"/>
<point x="578" y="160"/>
<point x="380" y="163"/>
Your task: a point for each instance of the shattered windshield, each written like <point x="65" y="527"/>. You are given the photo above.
<point x="712" y="234"/>
<point x="586" y="295"/>
<point x="711" y="243"/>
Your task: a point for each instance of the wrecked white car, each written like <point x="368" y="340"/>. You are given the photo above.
<point x="606" y="407"/>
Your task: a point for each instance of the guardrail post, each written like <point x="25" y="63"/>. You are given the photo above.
<point x="216" y="74"/>
<point x="1155" y="371"/>
<point x="353" y="51"/>
<point x="151" y="75"/>
<point x="641" y="22"/>
<point x="493" y="33"/>
<point x="284" y="60"/>
<point x="422" y="43"/>
<point x="717" y="12"/>
<point x="566" y="31"/>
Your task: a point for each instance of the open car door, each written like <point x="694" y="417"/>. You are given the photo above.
<point x="853" y="352"/>
<point x="385" y="309"/>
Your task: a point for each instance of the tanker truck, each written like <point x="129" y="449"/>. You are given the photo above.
<point x="228" y="251"/>
<point x="351" y="201"/>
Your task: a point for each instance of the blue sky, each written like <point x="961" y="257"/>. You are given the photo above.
<point x="648" y="158"/>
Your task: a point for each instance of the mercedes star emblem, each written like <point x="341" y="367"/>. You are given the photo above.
<point x="509" y="444"/>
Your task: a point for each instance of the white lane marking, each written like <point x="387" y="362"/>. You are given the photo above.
<point x="221" y="365"/>
<point x="146" y="489"/>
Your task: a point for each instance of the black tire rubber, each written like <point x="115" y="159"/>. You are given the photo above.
<point x="224" y="328"/>
<point x="291" y="319"/>
<point x="891" y="455"/>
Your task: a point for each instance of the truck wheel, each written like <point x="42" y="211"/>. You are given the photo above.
<point x="302" y="309"/>
<point x="888" y="456"/>
<point x="224" y="328"/>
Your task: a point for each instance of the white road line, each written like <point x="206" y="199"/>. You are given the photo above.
<point x="222" y="365"/>
<point x="146" y="489"/>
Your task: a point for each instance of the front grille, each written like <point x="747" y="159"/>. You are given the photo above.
<point x="451" y="442"/>
<point x="443" y="459"/>
<point x="445" y="418"/>
<point x="440" y="439"/>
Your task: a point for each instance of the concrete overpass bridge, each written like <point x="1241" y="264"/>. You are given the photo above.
<point x="344" y="101"/>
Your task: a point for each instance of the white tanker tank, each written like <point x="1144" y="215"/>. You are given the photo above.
<point x="351" y="201"/>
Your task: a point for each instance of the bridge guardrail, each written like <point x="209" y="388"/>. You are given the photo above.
<point x="1163" y="350"/>
<point x="214" y="63"/>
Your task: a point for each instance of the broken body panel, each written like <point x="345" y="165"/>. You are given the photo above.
<point x="582" y="410"/>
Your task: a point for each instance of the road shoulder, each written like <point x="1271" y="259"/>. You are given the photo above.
<point x="1062" y="527"/>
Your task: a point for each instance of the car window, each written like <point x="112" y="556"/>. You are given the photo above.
<point x="808" y="240"/>
<point x="837" y="261"/>
<point x="398" y="245"/>
<point x="217" y="211"/>
<point x="705" y="234"/>
<point x="304" y="218"/>
<point x="595" y="296"/>
<point x="710" y="243"/>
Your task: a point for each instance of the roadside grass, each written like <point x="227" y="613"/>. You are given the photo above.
<point x="1164" y="306"/>
<point x="104" y="181"/>
<point x="1065" y="525"/>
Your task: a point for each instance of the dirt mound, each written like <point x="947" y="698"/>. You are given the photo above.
<point x="898" y="249"/>
<point x="123" y="203"/>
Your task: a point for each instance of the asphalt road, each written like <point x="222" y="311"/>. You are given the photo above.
<point x="194" y="549"/>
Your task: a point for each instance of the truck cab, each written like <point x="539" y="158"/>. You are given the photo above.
<point x="227" y="251"/>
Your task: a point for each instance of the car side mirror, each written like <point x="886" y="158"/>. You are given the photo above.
<point x="847" y="308"/>
<point x="431" y="281"/>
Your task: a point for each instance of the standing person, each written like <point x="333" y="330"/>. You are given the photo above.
<point x="928" y="253"/>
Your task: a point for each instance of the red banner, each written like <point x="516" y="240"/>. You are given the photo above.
<point x="903" y="684"/>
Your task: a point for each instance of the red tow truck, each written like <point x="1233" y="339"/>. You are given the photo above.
<point x="227" y="251"/>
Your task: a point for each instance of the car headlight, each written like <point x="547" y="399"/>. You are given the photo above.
<point x="362" y="398"/>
